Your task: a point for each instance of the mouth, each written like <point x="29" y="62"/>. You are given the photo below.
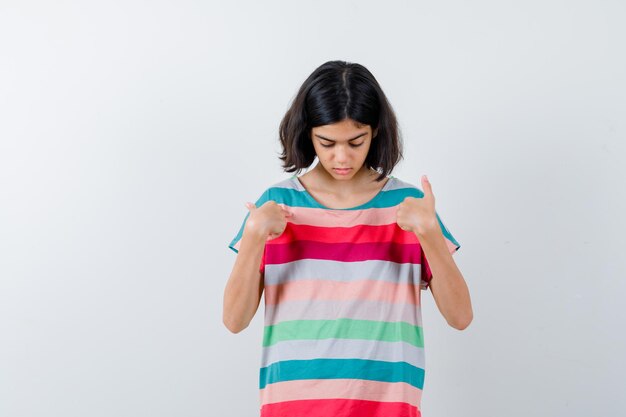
<point x="342" y="171"/>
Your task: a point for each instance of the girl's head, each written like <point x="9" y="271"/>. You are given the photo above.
<point x="338" y="102"/>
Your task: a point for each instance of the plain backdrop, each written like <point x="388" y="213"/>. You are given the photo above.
<point x="133" y="132"/>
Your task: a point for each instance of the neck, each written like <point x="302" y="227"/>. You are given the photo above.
<point x="360" y="179"/>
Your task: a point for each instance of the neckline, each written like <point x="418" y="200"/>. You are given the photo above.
<point x="360" y="206"/>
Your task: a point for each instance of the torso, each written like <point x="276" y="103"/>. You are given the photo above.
<point x="342" y="320"/>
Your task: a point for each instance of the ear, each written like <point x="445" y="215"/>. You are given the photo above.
<point x="374" y="133"/>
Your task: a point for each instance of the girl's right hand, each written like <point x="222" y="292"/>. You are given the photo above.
<point x="269" y="220"/>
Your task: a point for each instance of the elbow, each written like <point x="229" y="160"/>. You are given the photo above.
<point x="461" y="323"/>
<point x="232" y="326"/>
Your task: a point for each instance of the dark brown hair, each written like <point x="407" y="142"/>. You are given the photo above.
<point x="335" y="91"/>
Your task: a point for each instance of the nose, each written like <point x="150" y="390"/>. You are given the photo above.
<point x="341" y="154"/>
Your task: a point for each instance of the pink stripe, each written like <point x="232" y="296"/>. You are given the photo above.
<point x="323" y="289"/>
<point x="304" y="389"/>
<point x="342" y="218"/>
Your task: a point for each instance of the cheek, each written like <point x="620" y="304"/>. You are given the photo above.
<point x="363" y="153"/>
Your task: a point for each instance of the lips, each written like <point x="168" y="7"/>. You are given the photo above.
<point x="342" y="170"/>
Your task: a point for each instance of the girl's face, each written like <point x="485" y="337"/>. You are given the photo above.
<point x="342" y="147"/>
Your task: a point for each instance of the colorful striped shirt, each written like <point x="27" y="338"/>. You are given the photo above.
<point x="343" y="326"/>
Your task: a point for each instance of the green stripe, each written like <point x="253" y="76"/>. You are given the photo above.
<point x="343" y="329"/>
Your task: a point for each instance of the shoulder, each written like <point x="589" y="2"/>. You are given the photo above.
<point x="286" y="183"/>
<point x="280" y="190"/>
<point x="409" y="189"/>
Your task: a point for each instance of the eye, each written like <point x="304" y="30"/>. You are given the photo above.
<point x="352" y="145"/>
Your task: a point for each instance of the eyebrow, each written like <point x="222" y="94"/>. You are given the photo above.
<point x="349" y="140"/>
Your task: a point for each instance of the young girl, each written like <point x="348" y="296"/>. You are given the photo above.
<point x="341" y="253"/>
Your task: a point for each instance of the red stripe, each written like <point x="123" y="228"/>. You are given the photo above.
<point x="356" y="234"/>
<point x="339" y="408"/>
<point x="346" y="252"/>
<point x="427" y="274"/>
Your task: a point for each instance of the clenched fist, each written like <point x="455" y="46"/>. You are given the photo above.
<point x="269" y="220"/>
<point x="418" y="215"/>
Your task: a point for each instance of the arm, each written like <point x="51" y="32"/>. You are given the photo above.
<point x="245" y="284"/>
<point x="447" y="284"/>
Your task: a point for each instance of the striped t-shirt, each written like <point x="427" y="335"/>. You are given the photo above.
<point x="343" y="326"/>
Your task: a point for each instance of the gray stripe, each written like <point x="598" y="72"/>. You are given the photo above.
<point x="393" y="184"/>
<point x="376" y="269"/>
<point x="343" y="349"/>
<point x="288" y="183"/>
<point x="399" y="184"/>
<point x="333" y="309"/>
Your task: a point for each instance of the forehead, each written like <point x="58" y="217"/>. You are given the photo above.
<point x="346" y="129"/>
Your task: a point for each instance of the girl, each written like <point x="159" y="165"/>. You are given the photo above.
<point x="341" y="254"/>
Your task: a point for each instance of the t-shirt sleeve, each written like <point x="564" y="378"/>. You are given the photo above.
<point x="236" y="240"/>
<point x="453" y="247"/>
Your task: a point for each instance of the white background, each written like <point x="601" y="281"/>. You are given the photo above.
<point x="133" y="132"/>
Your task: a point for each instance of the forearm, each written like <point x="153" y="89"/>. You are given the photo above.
<point x="447" y="284"/>
<point x="245" y="285"/>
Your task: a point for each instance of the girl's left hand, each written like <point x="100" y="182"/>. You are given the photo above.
<point x="418" y="215"/>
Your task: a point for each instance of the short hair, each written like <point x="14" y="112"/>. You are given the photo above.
<point x="335" y="91"/>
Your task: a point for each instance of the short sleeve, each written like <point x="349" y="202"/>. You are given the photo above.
<point x="453" y="247"/>
<point x="236" y="240"/>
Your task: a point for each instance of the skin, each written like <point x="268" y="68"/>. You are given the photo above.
<point x="334" y="149"/>
<point x="447" y="284"/>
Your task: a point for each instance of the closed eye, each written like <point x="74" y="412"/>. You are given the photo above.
<point x="352" y="145"/>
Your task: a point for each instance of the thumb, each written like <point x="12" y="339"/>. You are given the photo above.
<point x="250" y="206"/>
<point x="285" y="210"/>
<point x="428" y="190"/>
